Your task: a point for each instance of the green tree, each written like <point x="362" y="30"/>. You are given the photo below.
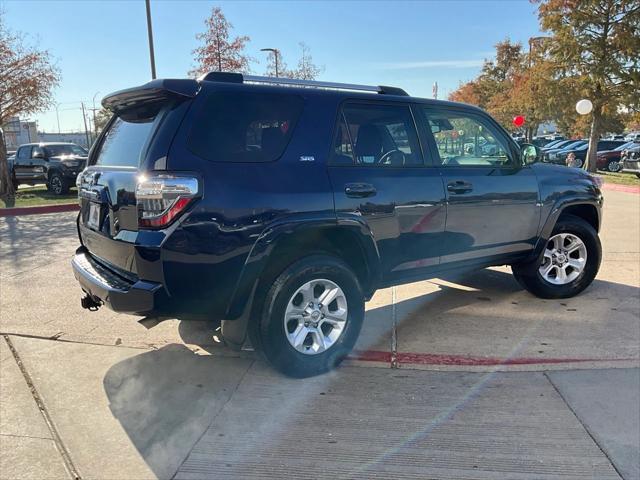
<point x="27" y="79"/>
<point x="595" y="44"/>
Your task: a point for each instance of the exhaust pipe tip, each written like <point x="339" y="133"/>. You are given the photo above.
<point x="90" y="303"/>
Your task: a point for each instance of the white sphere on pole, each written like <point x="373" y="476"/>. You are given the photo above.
<point x="584" y="106"/>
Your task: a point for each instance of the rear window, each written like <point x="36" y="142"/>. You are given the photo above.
<point x="244" y="127"/>
<point x="123" y="142"/>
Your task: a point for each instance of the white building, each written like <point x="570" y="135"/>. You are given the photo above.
<point x="17" y="132"/>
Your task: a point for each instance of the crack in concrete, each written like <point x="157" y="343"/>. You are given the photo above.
<point x="64" y="453"/>
<point x="593" y="439"/>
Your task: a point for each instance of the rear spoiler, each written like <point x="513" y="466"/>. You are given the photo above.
<point x="151" y="92"/>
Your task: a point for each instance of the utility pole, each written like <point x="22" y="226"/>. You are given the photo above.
<point x="152" y="56"/>
<point x="435" y="90"/>
<point x="86" y="132"/>
<point x="93" y="110"/>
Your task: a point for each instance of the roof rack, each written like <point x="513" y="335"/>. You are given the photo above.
<point x="240" y="78"/>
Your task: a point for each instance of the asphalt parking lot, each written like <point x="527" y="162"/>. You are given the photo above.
<point x="466" y="376"/>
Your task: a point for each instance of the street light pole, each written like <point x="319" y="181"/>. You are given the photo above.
<point x="152" y="56"/>
<point x="58" y="117"/>
<point x="275" y="52"/>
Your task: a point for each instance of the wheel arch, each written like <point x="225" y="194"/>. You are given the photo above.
<point x="281" y="245"/>
<point x="587" y="209"/>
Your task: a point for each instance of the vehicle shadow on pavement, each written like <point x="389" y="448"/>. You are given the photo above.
<point x="26" y="240"/>
<point x="166" y="399"/>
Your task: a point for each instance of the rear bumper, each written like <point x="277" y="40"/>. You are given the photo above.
<point x="117" y="293"/>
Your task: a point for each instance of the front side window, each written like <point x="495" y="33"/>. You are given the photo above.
<point x="37" y="152"/>
<point x="24" y="153"/>
<point x="466" y="141"/>
<point x="376" y="135"/>
<point x="244" y="127"/>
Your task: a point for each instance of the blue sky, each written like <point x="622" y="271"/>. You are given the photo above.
<point x="101" y="46"/>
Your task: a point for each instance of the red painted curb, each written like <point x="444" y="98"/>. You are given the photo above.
<point x="439" y="359"/>
<point x="621" y="188"/>
<point x="63" y="207"/>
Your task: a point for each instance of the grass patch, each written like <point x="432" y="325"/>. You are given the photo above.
<point x="620" y="178"/>
<point x="37" y="196"/>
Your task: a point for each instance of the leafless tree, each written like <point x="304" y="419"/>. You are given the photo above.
<point x="27" y="79"/>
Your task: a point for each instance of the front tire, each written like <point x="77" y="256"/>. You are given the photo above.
<point x="614" y="166"/>
<point x="57" y="185"/>
<point x="569" y="263"/>
<point x="311" y="316"/>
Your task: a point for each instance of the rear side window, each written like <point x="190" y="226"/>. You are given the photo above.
<point x="122" y="144"/>
<point x="376" y="135"/>
<point x="244" y="127"/>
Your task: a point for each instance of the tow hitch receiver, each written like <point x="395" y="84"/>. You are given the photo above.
<point x="90" y="303"/>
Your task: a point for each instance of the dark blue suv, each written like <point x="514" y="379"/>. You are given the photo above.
<point x="279" y="207"/>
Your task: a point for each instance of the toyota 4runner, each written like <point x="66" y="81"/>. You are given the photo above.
<point x="280" y="206"/>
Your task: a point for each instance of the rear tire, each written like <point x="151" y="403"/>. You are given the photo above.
<point x="544" y="277"/>
<point x="299" y="336"/>
<point x="57" y="185"/>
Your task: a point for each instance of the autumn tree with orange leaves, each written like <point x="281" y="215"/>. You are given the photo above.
<point x="27" y="79"/>
<point x="596" y="44"/>
<point x="219" y="51"/>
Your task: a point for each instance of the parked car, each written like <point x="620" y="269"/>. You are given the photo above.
<point x="55" y="164"/>
<point x="580" y="151"/>
<point x="559" y="145"/>
<point x="547" y="141"/>
<point x="280" y="206"/>
<point x="631" y="160"/>
<point x="633" y="137"/>
<point x="609" y="160"/>
<point x="550" y="145"/>
<point x="553" y="155"/>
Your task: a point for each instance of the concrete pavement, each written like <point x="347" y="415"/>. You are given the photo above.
<point x="490" y="380"/>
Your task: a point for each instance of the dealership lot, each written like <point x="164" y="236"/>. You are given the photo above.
<point x="466" y="376"/>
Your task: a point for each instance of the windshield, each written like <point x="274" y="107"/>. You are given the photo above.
<point x="561" y="144"/>
<point x="66" y="149"/>
<point x="624" y="145"/>
<point x="573" y="145"/>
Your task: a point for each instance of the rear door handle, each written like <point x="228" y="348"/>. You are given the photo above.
<point x="359" y="190"/>
<point x="459" y="186"/>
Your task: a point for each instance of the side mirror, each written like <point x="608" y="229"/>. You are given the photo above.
<point x="530" y="154"/>
<point x="38" y="154"/>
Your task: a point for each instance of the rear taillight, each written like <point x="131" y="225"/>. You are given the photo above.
<point x="163" y="198"/>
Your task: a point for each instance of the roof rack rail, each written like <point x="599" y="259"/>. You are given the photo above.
<point x="240" y="78"/>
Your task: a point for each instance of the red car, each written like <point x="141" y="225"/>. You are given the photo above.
<point x="609" y="160"/>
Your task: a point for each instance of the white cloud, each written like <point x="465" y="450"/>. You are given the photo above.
<point x="432" y="64"/>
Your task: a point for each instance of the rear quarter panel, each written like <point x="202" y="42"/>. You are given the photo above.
<point x="206" y="255"/>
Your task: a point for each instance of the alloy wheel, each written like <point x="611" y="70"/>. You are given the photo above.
<point x="316" y="316"/>
<point x="56" y="184"/>
<point x="614" y="166"/>
<point x="565" y="257"/>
